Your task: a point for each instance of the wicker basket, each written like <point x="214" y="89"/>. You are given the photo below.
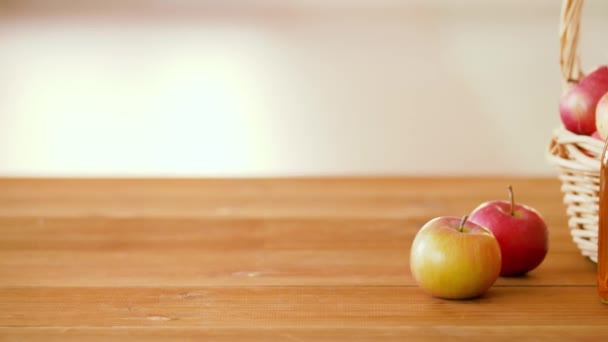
<point x="577" y="157"/>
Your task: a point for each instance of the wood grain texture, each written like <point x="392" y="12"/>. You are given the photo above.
<point x="259" y="259"/>
<point x="191" y="252"/>
<point x="356" y="333"/>
<point x="287" y="306"/>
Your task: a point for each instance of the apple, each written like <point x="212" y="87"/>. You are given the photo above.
<point x="596" y="134"/>
<point x="601" y="117"/>
<point x="520" y="231"/>
<point x="454" y="258"/>
<point x="588" y="153"/>
<point x="577" y="105"/>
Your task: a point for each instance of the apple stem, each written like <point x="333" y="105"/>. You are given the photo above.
<point x="512" y="198"/>
<point x="462" y="222"/>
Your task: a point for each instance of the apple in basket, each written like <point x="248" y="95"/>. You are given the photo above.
<point x="454" y="258"/>
<point x="520" y="230"/>
<point x="577" y="105"/>
<point x="596" y="134"/>
<point x="601" y="117"/>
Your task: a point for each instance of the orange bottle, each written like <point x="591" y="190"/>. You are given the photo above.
<point x="602" y="254"/>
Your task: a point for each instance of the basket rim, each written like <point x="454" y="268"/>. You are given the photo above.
<point x="574" y="152"/>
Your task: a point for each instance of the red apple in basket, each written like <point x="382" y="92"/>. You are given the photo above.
<point x="577" y="105"/>
<point x="521" y="233"/>
<point x="597" y="135"/>
<point x="601" y="117"/>
<point x="454" y="258"/>
<point x="594" y="135"/>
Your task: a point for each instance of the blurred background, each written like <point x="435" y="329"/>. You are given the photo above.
<point x="238" y="88"/>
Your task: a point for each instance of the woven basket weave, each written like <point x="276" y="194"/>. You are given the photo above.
<point x="577" y="157"/>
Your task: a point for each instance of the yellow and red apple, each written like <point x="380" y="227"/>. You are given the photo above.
<point x="454" y="258"/>
<point x="601" y="117"/>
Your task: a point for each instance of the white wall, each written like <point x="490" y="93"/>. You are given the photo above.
<point x="262" y="89"/>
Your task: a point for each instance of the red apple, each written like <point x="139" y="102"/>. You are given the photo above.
<point x="596" y="134"/>
<point x="454" y="259"/>
<point x="577" y="105"/>
<point x="521" y="233"/>
<point x="601" y="117"/>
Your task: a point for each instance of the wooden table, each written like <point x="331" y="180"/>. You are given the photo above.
<point x="281" y="260"/>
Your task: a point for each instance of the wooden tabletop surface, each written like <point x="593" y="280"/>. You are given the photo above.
<point x="268" y="259"/>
